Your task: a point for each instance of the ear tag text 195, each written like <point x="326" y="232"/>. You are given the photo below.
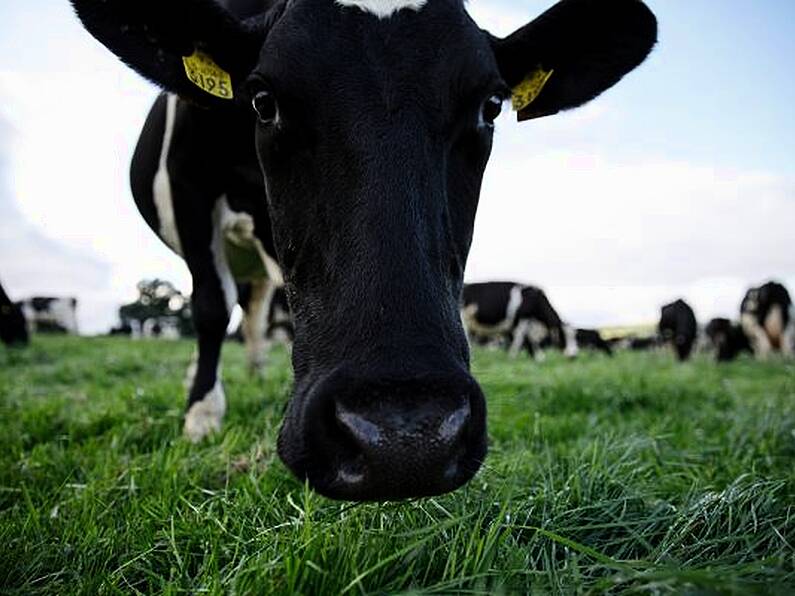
<point x="528" y="90"/>
<point x="203" y="72"/>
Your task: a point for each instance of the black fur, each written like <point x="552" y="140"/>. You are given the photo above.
<point x="728" y="339"/>
<point x="591" y="339"/>
<point x="13" y="327"/>
<point x="678" y="327"/>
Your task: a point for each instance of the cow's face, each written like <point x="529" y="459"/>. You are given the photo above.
<point x="373" y="156"/>
<point x="374" y="123"/>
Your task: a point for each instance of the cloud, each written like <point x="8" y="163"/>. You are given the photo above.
<point x="77" y="112"/>
<point x="566" y="219"/>
<point x="31" y="263"/>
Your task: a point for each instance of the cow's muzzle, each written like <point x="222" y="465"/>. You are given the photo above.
<point x="364" y="440"/>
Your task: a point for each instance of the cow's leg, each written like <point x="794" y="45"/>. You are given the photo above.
<point x="788" y="343"/>
<point x="775" y="327"/>
<point x="571" y="348"/>
<point x="530" y="348"/>
<point x="214" y="297"/>
<point x="190" y="373"/>
<point x="255" y="321"/>
<point x="757" y="336"/>
<point x="468" y="314"/>
<point x="519" y="336"/>
<point x="206" y="400"/>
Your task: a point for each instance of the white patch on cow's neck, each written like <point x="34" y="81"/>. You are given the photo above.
<point x="384" y="8"/>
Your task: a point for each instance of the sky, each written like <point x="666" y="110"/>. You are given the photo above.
<point x="678" y="182"/>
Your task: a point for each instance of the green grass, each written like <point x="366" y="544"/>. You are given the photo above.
<point x="630" y="475"/>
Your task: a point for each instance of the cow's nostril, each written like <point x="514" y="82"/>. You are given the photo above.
<point x="453" y="426"/>
<point x="364" y="433"/>
<point x="352" y="473"/>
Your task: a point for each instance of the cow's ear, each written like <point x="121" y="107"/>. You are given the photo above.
<point x="194" y="48"/>
<point x="573" y="52"/>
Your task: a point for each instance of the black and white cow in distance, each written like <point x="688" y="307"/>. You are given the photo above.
<point x="520" y="315"/>
<point x="358" y="171"/>
<point x="768" y="319"/>
<point x="13" y="327"/>
<point x="678" y="327"/>
<point x="591" y="339"/>
<point x="48" y="314"/>
<point x="727" y="338"/>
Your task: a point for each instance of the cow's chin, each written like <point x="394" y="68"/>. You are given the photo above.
<point x="360" y="441"/>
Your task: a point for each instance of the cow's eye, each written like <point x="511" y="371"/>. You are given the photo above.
<point x="265" y="106"/>
<point x="491" y="109"/>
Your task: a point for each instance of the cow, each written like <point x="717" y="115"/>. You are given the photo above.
<point x="47" y="314"/>
<point x="591" y="339"/>
<point x="339" y="146"/>
<point x="13" y="327"/>
<point x="768" y="320"/>
<point x="727" y="338"/>
<point x="678" y="327"/>
<point x="520" y="315"/>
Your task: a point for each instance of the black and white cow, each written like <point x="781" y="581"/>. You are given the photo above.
<point x="46" y="314"/>
<point x="727" y="338"/>
<point x="520" y="315"/>
<point x="13" y="327"/>
<point x="678" y="327"/>
<point x="346" y="140"/>
<point x="768" y="320"/>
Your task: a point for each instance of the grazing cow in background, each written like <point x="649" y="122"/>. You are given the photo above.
<point x="346" y="140"/>
<point x="727" y="338"/>
<point x="13" y="327"/>
<point x="679" y="328"/>
<point x="521" y="315"/>
<point x="591" y="339"/>
<point x="50" y="315"/>
<point x="767" y="318"/>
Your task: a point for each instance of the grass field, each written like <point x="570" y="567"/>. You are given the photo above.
<point x="626" y="475"/>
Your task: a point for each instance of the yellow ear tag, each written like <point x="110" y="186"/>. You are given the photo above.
<point x="207" y="75"/>
<point x="528" y="90"/>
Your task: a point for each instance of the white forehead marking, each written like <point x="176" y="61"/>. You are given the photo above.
<point x="383" y="8"/>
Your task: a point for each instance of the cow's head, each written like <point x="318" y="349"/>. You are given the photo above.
<point x="374" y="122"/>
